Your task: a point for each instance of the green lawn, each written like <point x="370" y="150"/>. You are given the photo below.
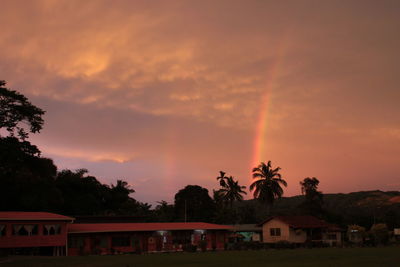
<point x="388" y="256"/>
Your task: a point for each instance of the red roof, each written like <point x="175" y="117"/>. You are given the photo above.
<point x="32" y="216"/>
<point x="138" y="227"/>
<point x="301" y="221"/>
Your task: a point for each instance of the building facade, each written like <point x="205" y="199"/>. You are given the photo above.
<point x="300" y="230"/>
<point x="43" y="233"/>
<point x="115" y="238"/>
<point x="39" y="233"/>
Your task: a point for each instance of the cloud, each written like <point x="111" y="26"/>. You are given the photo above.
<point x="176" y="82"/>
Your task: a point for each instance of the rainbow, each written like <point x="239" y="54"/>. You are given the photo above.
<point x="260" y="142"/>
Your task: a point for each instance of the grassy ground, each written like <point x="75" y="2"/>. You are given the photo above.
<point x="388" y="256"/>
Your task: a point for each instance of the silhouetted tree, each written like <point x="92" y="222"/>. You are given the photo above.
<point x="119" y="196"/>
<point x="267" y="187"/>
<point x="164" y="212"/>
<point x="82" y="194"/>
<point x="222" y="178"/>
<point x="30" y="182"/>
<point x="194" y="202"/>
<point x="231" y="190"/>
<point x="27" y="180"/>
<point x="15" y="111"/>
<point x="313" y="201"/>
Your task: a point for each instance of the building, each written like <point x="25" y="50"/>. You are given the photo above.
<point x="36" y="233"/>
<point x="356" y="234"/>
<point x="396" y="234"/>
<point x="246" y="233"/>
<point x="300" y="230"/>
<point x="114" y="238"/>
<point x="43" y="233"/>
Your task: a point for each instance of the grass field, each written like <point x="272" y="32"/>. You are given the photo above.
<point x="388" y="256"/>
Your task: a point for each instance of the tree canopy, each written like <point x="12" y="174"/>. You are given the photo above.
<point x="313" y="201"/>
<point x="30" y="182"/>
<point x="16" y="112"/>
<point x="230" y="190"/>
<point x="193" y="203"/>
<point x="268" y="184"/>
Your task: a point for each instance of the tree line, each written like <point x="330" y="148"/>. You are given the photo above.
<point x="30" y="182"/>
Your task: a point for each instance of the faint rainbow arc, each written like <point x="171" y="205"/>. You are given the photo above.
<point x="265" y="101"/>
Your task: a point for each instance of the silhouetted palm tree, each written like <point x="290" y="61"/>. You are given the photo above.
<point x="222" y="178"/>
<point x="232" y="191"/>
<point x="313" y="201"/>
<point x="267" y="187"/>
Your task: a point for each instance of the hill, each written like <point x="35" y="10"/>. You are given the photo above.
<point x="363" y="208"/>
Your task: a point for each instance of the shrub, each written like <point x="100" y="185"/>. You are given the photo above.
<point x="203" y="245"/>
<point x="379" y="234"/>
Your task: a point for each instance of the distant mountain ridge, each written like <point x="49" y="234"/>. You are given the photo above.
<point x="364" y="207"/>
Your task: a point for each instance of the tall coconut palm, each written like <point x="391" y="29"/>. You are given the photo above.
<point x="232" y="191"/>
<point x="267" y="187"/>
<point x="222" y="178"/>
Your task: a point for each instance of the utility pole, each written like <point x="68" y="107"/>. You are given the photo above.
<point x="185" y="212"/>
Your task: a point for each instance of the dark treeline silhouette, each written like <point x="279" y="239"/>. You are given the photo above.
<point x="30" y="182"/>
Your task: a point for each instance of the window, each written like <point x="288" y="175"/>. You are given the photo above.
<point x="275" y="231"/>
<point x="2" y="230"/>
<point x="120" y="241"/>
<point x="51" y="229"/>
<point x="25" y="229"/>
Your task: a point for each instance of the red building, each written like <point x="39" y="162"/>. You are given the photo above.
<point x="112" y="238"/>
<point x="43" y="233"/>
<point x="37" y="233"/>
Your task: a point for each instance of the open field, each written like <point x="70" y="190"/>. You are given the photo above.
<point x="388" y="256"/>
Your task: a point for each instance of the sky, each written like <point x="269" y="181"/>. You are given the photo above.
<point x="163" y="94"/>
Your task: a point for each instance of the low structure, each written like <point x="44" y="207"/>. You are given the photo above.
<point x="356" y="234"/>
<point x="246" y="233"/>
<point x="113" y="238"/>
<point x="36" y="233"/>
<point x="299" y="230"/>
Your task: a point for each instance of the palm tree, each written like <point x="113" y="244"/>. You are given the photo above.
<point x="231" y="190"/>
<point x="222" y="178"/>
<point x="267" y="187"/>
<point x="313" y="200"/>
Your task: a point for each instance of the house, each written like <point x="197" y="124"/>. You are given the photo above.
<point x="33" y="233"/>
<point x="112" y="238"/>
<point x="300" y="230"/>
<point x="396" y="233"/>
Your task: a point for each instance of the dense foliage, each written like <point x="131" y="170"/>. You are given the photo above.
<point x="313" y="199"/>
<point x="30" y="182"/>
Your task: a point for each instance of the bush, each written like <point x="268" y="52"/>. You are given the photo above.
<point x="379" y="234"/>
<point x="203" y="245"/>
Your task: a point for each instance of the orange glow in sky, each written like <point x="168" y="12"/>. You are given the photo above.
<point x="164" y="94"/>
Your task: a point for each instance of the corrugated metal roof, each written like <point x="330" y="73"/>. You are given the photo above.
<point x="32" y="216"/>
<point x="246" y="227"/>
<point x="301" y="221"/>
<point x="140" y="227"/>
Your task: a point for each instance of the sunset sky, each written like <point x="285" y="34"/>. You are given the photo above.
<point x="164" y="94"/>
